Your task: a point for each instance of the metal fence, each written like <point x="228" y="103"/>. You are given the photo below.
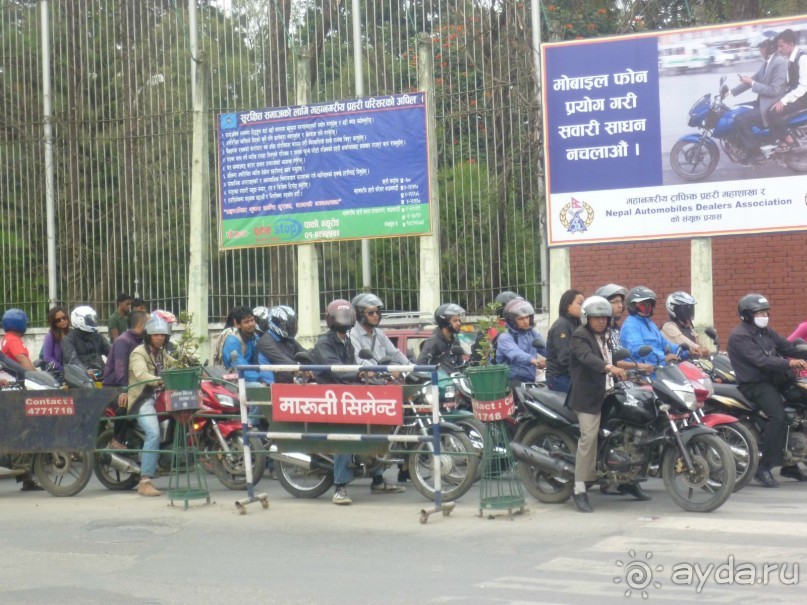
<point x="120" y="74"/>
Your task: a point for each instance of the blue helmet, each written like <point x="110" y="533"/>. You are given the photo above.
<point x="15" y="320"/>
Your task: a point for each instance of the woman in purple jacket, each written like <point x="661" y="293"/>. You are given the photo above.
<point x="59" y="324"/>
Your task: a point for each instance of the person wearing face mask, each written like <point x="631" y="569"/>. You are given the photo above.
<point x="762" y="360"/>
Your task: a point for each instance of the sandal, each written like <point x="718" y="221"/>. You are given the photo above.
<point x="116" y="445"/>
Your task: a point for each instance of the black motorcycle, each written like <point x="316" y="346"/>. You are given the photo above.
<point x="643" y="428"/>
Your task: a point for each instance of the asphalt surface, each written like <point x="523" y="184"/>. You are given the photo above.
<point x="103" y="547"/>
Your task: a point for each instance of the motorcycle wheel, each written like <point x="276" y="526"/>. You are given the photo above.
<point x="693" y="161"/>
<point x="63" y="473"/>
<point x="301" y="482"/>
<point x="458" y="465"/>
<point x="108" y="475"/>
<point x="542" y="486"/>
<point x="796" y="160"/>
<point x="712" y="481"/>
<point x="743" y="445"/>
<point x="230" y="468"/>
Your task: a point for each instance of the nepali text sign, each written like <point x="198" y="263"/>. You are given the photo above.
<point x="626" y="159"/>
<point x="324" y="172"/>
<point x="339" y="404"/>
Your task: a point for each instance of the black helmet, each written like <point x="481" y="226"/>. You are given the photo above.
<point x="610" y="290"/>
<point x="595" y="306"/>
<point x="339" y="315"/>
<point x="517" y="308"/>
<point x="681" y="306"/>
<point x="638" y="299"/>
<point x="502" y="298"/>
<point x="362" y="302"/>
<point x="750" y="304"/>
<point x="444" y="313"/>
<point x="283" y="321"/>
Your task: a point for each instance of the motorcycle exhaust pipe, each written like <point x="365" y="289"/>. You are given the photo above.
<point x="543" y="461"/>
<point x="304" y="461"/>
<point x="124" y="465"/>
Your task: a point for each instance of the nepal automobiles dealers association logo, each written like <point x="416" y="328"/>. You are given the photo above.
<point x="576" y="216"/>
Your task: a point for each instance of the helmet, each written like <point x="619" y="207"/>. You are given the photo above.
<point x="156" y="325"/>
<point x="764" y="41"/>
<point x="681" y="306"/>
<point x="444" y="313"/>
<point x="84" y="318"/>
<point x="361" y="302"/>
<point x="167" y="317"/>
<point x="502" y="298"/>
<point x="750" y="304"/>
<point x="339" y="315"/>
<point x="611" y="290"/>
<point x="283" y="321"/>
<point x="517" y="308"/>
<point x="641" y="301"/>
<point x="261" y="318"/>
<point x="595" y="306"/>
<point x="15" y="320"/>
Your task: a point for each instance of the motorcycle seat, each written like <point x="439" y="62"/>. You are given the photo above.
<point x="732" y="390"/>
<point x="554" y="400"/>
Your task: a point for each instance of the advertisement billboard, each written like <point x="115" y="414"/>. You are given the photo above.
<point x="324" y="172"/>
<point x="642" y="142"/>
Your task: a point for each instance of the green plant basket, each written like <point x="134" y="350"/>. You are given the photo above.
<point x="185" y="379"/>
<point x="489" y="382"/>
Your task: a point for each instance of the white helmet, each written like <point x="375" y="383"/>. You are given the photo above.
<point x="157" y="325"/>
<point x="84" y="318"/>
<point x="595" y="306"/>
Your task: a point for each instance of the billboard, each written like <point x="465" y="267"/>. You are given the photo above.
<point x="640" y="143"/>
<point x="324" y="172"/>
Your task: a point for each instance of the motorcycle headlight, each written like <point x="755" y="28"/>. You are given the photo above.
<point x="451" y="392"/>
<point x="226" y="401"/>
<point x="689" y="399"/>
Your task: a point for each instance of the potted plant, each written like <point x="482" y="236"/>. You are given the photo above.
<point x="187" y="372"/>
<point x="489" y="380"/>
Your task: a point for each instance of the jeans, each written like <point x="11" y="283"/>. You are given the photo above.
<point x="342" y="474"/>
<point x="147" y="419"/>
<point x="559" y="383"/>
<point x="254" y="411"/>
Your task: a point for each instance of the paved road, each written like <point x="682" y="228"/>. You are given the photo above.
<point x="111" y="548"/>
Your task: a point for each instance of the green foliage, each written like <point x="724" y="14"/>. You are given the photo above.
<point x="187" y="347"/>
<point x="488" y="323"/>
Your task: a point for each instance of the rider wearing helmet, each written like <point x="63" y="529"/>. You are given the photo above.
<point x="367" y="334"/>
<point x="83" y="345"/>
<point x="439" y="347"/>
<point x="15" y="324"/>
<point x="592" y="373"/>
<point x="769" y="83"/>
<point x="261" y="314"/>
<point x="516" y="346"/>
<point x="639" y="330"/>
<point x="278" y="344"/>
<point x="614" y="294"/>
<point x="681" y="309"/>
<point x="558" y="339"/>
<point x="492" y="334"/>
<point x="759" y="357"/>
<point x="146" y="363"/>
<point x="335" y="348"/>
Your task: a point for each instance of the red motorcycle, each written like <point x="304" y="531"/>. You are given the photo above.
<point x="220" y="442"/>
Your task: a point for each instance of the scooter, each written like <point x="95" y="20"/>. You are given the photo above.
<point x="695" y="156"/>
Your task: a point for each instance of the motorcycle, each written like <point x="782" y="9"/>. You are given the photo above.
<point x="60" y="473"/>
<point x="311" y="475"/>
<point x="220" y="442"/>
<point x="695" y="156"/>
<point x="642" y="429"/>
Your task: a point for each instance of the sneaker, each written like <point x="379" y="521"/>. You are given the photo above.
<point x="340" y="496"/>
<point x="386" y="488"/>
<point x="30" y="485"/>
<point x="145" y="488"/>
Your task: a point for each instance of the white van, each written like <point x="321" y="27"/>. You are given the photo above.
<point x="684" y="57"/>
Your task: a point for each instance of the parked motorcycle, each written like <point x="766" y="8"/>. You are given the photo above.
<point x="220" y="443"/>
<point x="642" y="427"/>
<point x="695" y="156"/>
<point x="311" y="475"/>
<point x="60" y="473"/>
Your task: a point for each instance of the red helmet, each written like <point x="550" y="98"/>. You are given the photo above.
<point x="340" y="315"/>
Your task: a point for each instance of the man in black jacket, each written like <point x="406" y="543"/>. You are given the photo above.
<point x="759" y="357"/>
<point x="278" y="344"/>
<point x="334" y="348"/>
<point x="592" y="374"/>
<point x="438" y="348"/>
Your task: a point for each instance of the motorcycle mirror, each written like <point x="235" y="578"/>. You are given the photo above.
<point x="645" y="350"/>
<point x="385" y="361"/>
<point x="365" y="354"/>
<point x="620" y="355"/>
<point x="537" y="343"/>
<point x="711" y="332"/>
<point x="303" y="357"/>
<point x="684" y="346"/>
<point x="457" y="350"/>
<point x="722" y="80"/>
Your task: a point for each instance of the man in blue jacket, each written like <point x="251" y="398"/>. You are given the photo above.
<point x="639" y="330"/>
<point x="244" y="344"/>
<point x="516" y="346"/>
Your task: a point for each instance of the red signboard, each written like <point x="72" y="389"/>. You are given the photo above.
<point x="49" y="406"/>
<point x="491" y="411"/>
<point x="337" y="403"/>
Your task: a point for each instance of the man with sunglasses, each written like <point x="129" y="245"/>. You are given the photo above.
<point x="367" y="335"/>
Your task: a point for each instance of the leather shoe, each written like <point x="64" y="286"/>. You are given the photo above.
<point x="793" y="472"/>
<point x="635" y="490"/>
<point x="764" y="476"/>
<point x="581" y="503"/>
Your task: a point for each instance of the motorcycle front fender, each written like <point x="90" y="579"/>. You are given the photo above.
<point x="712" y="420"/>
<point x="696" y="138"/>
<point x="688" y="432"/>
<point x="445" y="427"/>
